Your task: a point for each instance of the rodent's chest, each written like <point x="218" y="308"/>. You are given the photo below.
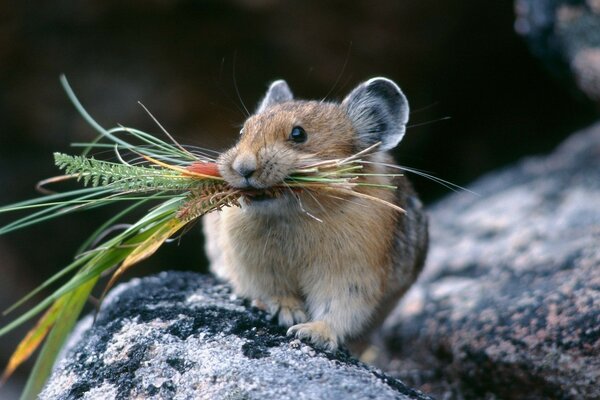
<point x="273" y="240"/>
<point x="299" y="242"/>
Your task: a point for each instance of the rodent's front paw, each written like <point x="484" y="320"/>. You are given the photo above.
<point x="318" y="332"/>
<point x="289" y="310"/>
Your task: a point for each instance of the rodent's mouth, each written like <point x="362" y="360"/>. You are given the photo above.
<point x="262" y="195"/>
<point x="259" y="196"/>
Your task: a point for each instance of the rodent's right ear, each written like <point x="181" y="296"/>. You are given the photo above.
<point x="279" y="92"/>
<point x="379" y="111"/>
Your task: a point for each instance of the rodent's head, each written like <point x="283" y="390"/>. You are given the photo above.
<point x="285" y="133"/>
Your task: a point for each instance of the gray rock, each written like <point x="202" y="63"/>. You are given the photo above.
<point x="565" y="35"/>
<point x="509" y="302"/>
<point x="181" y="335"/>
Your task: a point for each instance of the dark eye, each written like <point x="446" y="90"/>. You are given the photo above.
<point x="298" y="135"/>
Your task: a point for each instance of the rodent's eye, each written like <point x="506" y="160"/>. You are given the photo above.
<point x="298" y="135"/>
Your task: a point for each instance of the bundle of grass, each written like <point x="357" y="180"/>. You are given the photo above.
<point x="181" y="183"/>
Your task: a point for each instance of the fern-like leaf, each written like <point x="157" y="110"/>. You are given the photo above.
<point x="123" y="177"/>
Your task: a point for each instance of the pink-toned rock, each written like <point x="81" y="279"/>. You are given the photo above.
<point x="509" y="302"/>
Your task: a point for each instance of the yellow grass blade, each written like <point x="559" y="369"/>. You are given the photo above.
<point x="33" y="338"/>
<point x="179" y="169"/>
<point x="145" y="249"/>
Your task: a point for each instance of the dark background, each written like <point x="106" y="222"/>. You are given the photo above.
<point x="187" y="61"/>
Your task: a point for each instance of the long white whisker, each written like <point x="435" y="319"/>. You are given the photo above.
<point x="447" y="184"/>
<point x="428" y="122"/>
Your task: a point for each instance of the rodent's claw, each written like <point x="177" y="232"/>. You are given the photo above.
<point x="318" y="332"/>
<point x="288" y="310"/>
<point x="288" y="316"/>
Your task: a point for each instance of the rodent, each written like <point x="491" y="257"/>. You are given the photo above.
<point x="329" y="269"/>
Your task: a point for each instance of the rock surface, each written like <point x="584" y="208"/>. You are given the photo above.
<point x="181" y="335"/>
<point x="565" y="34"/>
<point x="509" y="302"/>
<point x="508" y="307"/>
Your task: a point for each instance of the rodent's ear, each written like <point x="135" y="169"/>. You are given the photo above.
<point x="279" y="92"/>
<point x="379" y="111"/>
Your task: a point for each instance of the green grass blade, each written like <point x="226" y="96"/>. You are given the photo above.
<point x="156" y="145"/>
<point x="90" y="146"/>
<point x="40" y="201"/>
<point x="112" y="221"/>
<point x="110" y="134"/>
<point x="115" y="251"/>
<point x="33" y="339"/>
<point x="53" y="211"/>
<point x="55" y="340"/>
<point x="86" y="116"/>
<point x="77" y="263"/>
<point x="82" y="259"/>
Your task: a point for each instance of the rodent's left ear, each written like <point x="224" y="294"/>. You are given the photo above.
<point x="279" y="92"/>
<point x="379" y="111"/>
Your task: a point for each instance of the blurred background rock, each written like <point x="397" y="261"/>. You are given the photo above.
<point x="188" y="60"/>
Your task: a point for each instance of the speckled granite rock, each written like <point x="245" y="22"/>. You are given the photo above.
<point x="565" y="34"/>
<point x="181" y="335"/>
<point x="509" y="302"/>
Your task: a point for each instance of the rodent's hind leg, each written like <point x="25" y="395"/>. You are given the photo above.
<point x="288" y="310"/>
<point x="318" y="332"/>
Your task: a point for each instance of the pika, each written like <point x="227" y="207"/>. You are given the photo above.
<point x="329" y="269"/>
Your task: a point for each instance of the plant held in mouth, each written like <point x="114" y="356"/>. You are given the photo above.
<point x="181" y="183"/>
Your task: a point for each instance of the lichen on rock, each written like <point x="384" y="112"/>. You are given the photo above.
<point x="182" y="335"/>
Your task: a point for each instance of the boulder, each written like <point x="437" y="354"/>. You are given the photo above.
<point x="508" y="306"/>
<point x="181" y="335"/>
<point x="565" y="35"/>
<point x="509" y="302"/>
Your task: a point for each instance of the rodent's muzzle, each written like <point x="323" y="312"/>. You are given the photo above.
<point x="245" y="170"/>
<point x="239" y="170"/>
<point x="245" y="166"/>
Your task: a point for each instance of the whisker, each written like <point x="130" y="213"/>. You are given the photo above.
<point x="447" y="184"/>
<point x="428" y="122"/>
<point x="339" y="77"/>
<point x="418" y="110"/>
<point x="235" y="85"/>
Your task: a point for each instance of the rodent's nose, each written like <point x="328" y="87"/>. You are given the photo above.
<point x="244" y="165"/>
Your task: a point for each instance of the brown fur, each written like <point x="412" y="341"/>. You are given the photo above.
<point x="329" y="268"/>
